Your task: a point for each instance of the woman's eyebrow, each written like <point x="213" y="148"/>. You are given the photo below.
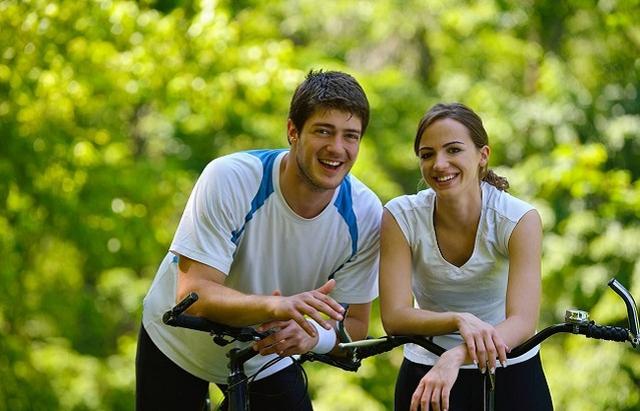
<point x="444" y="145"/>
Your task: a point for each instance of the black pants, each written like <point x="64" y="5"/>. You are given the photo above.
<point x="521" y="387"/>
<point x="163" y="385"/>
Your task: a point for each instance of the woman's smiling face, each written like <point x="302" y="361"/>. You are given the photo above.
<point x="449" y="160"/>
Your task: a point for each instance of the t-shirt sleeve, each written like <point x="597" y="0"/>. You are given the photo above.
<point x="357" y="280"/>
<point x="214" y="211"/>
<point x="513" y="209"/>
<point x="396" y="209"/>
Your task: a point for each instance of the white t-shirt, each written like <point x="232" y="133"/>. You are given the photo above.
<point x="479" y="286"/>
<point x="237" y="221"/>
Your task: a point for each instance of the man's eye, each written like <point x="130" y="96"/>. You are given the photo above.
<point x="353" y="136"/>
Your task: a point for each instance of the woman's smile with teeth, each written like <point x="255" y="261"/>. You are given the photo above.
<point x="442" y="179"/>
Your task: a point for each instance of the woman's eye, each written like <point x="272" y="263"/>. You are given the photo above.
<point x="425" y="156"/>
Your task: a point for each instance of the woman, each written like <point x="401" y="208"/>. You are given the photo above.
<point x="469" y="253"/>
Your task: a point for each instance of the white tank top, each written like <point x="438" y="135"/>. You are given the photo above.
<point x="479" y="286"/>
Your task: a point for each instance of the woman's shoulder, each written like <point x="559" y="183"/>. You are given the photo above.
<point x="503" y="203"/>
<point x="421" y="199"/>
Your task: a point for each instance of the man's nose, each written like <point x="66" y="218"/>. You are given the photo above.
<point x="336" y="142"/>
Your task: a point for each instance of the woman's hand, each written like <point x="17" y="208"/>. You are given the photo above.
<point x="434" y="388"/>
<point x="484" y="345"/>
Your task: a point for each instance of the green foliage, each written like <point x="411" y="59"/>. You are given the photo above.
<point x="110" y="108"/>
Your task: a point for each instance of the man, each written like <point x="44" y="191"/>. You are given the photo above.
<point x="272" y="238"/>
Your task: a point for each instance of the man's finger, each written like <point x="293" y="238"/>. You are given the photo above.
<point x="316" y="308"/>
<point x="306" y="325"/>
<point x="327" y="287"/>
<point x="336" y="306"/>
<point x="272" y="325"/>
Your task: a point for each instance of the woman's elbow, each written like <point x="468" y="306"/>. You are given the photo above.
<point x="391" y="323"/>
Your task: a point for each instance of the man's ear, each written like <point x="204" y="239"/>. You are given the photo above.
<point x="292" y="132"/>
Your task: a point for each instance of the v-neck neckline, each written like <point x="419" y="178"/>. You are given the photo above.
<point x="434" y="237"/>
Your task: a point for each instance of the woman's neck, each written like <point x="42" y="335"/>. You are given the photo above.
<point x="459" y="211"/>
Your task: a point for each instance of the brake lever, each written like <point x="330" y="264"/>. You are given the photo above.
<point x="632" y="310"/>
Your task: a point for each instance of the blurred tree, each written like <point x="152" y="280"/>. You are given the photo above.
<point x="109" y="109"/>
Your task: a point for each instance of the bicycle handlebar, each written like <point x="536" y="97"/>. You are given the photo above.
<point x="176" y="318"/>
<point x="576" y="322"/>
<point x="225" y="334"/>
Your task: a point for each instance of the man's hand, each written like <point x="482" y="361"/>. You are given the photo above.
<point x="288" y="339"/>
<point x="312" y="303"/>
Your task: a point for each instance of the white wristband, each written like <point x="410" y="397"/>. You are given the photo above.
<point x="326" y="338"/>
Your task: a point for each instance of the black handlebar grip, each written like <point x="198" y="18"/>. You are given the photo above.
<point x="193" y="323"/>
<point x="184" y="304"/>
<point x="370" y="351"/>
<point x="606" y="332"/>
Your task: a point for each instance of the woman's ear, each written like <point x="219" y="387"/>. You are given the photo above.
<point x="485" y="152"/>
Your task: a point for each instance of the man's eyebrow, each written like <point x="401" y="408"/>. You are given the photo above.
<point x="331" y="126"/>
<point x="321" y="124"/>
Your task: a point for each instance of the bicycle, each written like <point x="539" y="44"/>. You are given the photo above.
<point x="576" y="322"/>
<point x="237" y="393"/>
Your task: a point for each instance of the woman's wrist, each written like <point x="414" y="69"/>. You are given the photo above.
<point x="456" y="355"/>
<point x="458" y="319"/>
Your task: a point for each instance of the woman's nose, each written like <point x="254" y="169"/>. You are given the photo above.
<point x="440" y="162"/>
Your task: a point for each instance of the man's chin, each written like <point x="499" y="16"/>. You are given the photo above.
<point x="325" y="184"/>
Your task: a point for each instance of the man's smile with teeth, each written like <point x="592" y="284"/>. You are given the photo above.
<point x="331" y="163"/>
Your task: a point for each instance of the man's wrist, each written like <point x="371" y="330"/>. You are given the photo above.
<point x="326" y="338"/>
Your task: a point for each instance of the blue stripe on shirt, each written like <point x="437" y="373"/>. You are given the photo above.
<point x="267" y="157"/>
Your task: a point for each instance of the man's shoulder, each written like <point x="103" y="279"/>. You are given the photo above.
<point x="252" y="158"/>
<point x="361" y="193"/>
<point x="242" y="164"/>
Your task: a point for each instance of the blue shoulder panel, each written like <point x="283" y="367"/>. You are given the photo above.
<point x="344" y="204"/>
<point x="267" y="157"/>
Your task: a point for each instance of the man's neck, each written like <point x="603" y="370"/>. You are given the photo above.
<point x="304" y="199"/>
